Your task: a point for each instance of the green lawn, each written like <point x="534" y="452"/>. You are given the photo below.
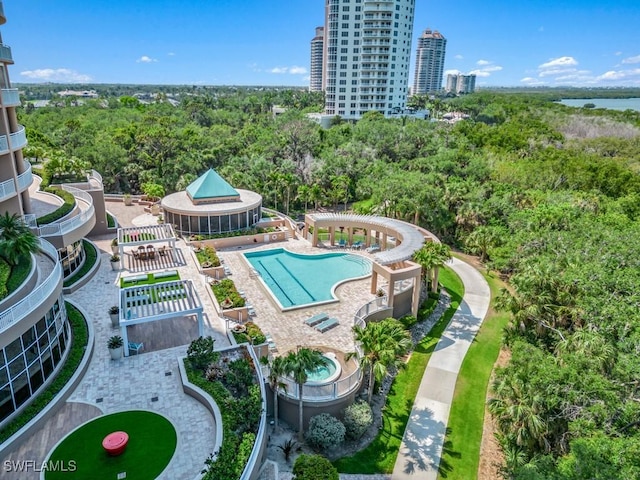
<point x="380" y="455"/>
<point x="461" y="456"/>
<point x="152" y="443"/>
<point x="150" y="280"/>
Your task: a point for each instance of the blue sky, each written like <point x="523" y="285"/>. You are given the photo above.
<point x="260" y="42"/>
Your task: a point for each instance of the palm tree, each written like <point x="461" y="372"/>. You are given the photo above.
<point x="16" y="239"/>
<point x="382" y="343"/>
<point x="298" y="364"/>
<point x="276" y="370"/>
<point x="431" y="257"/>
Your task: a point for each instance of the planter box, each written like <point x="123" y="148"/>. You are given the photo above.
<point x="115" y="319"/>
<point x="116" y="353"/>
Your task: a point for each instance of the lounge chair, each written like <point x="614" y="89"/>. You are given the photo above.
<point x="251" y="311"/>
<point x="342" y="243"/>
<point x="316" y="319"/>
<point x="135" y="348"/>
<point x="326" y="325"/>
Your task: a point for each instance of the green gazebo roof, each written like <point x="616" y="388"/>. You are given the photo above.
<point x="210" y="185"/>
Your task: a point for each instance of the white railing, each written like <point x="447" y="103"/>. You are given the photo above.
<point x="19" y="138"/>
<point x="10" y="97"/>
<point x="25" y="178"/>
<point x="95" y="176"/>
<point x="330" y="391"/>
<point x="380" y="303"/>
<point x="4" y="145"/>
<point x="7" y="189"/>
<point x="25" y="306"/>
<point x="67" y="226"/>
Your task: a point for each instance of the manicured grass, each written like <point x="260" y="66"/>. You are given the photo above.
<point x="150" y="280"/>
<point x="79" y="338"/>
<point x="380" y="455"/>
<point x="152" y="442"/>
<point x="461" y="457"/>
<point x="89" y="262"/>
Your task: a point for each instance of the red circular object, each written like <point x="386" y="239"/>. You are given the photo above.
<point x="115" y="443"/>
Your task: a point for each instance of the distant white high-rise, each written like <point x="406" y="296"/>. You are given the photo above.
<point x="317" y="47"/>
<point x="461" y="84"/>
<point x="429" y="62"/>
<point x="367" y="49"/>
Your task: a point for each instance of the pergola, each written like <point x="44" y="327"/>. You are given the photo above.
<point x="160" y="301"/>
<point x="394" y="264"/>
<point x="145" y="235"/>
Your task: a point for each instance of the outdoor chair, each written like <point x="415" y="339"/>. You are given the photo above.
<point x="142" y="252"/>
<point x="135" y="348"/>
<point x="326" y="325"/>
<point x="320" y="317"/>
<point x="151" y="252"/>
<point x="162" y="250"/>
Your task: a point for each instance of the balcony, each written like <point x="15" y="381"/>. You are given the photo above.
<point x="25" y="178"/>
<point x="18" y="139"/>
<point x="5" y="54"/>
<point x="75" y="227"/>
<point x="45" y="290"/>
<point x="7" y="189"/>
<point x="10" y="97"/>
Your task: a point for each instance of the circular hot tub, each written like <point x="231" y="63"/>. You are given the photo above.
<point x="325" y="373"/>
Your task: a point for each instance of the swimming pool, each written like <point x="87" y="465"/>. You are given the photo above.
<point x="296" y="280"/>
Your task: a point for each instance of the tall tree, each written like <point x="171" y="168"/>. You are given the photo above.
<point x="298" y="365"/>
<point x="431" y="257"/>
<point x="382" y="345"/>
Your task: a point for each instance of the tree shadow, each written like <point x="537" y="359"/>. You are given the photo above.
<point x="423" y="439"/>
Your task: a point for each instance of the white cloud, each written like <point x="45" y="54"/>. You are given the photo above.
<point x="486" y="68"/>
<point x="615" y="75"/>
<point x="559" y="62"/>
<point x="531" y="81"/>
<point x="452" y="72"/>
<point x="146" y="59"/>
<point x="171" y="54"/>
<point x="635" y="59"/>
<point x="293" y="70"/>
<point x="63" y="75"/>
<point x="458" y="57"/>
<point x="617" y="54"/>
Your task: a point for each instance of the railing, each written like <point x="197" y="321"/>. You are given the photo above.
<point x="7" y="189"/>
<point x="73" y="223"/>
<point x="380" y="303"/>
<point x="25" y="178"/>
<point x="25" y="306"/>
<point x="10" y="97"/>
<point x="95" y="176"/>
<point x="18" y="139"/>
<point x="5" y="54"/>
<point x="330" y="391"/>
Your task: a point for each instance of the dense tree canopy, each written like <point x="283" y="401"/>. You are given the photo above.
<point x="546" y="194"/>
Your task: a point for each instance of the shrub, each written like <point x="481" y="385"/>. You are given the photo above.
<point x="226" y="289"/>
<point x="200" y="353"/>
<point x="314" y="467"/>
<point x="357" y="418"/>
<point x="207" y="257"/>
<point x="325" y="431"/>
<point x="68" y="205"/>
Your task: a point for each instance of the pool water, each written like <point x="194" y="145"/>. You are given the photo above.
<point x="324" y="373"/>
<point x="297" y="280"/>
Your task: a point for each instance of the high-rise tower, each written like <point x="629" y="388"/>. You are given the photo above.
<point x="429" y="62"/>
<point x="317" y="47"/>
<point x="367" y="49"/>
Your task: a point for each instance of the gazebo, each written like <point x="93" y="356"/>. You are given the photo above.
<point x="160" y="301"/>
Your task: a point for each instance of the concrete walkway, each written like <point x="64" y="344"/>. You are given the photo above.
<point x="421" y="448"/>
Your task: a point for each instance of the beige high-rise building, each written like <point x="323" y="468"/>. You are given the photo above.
<point x="461" y="84"/>
<point x="430" y="55"/>
<point x="367" y="51"/>
<point x="315" y="72"/>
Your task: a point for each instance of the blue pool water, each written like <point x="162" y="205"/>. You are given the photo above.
<point x="295" y="279"/>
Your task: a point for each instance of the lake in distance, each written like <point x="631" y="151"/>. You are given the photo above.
<point x="609" y="103"/>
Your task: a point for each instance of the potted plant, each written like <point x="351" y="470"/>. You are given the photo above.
<point x="115" y="262"/>
<point x="115" y="345"/>
<point x="114" y="313"/>
<point x="114" y="246"/>
<point x="379" y="296"/>
<point x="126" y="198"/>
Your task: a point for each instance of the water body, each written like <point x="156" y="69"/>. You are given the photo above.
<point x="609" y="103"/>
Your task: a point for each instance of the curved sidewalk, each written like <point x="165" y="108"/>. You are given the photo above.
<point x="421" y="448"/>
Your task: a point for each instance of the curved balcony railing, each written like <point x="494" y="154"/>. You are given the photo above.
<point x="93" y="175"/>
<point x="25" y="178"/>
<point x="10" y="97"/>
<point x="318" y="393"/>
<point x="25" y="306"/>
<point x="7" y="189"/>
<point x="68" y="226"/>
<point x="5" y="54"/>
<point x="19" y="138"/>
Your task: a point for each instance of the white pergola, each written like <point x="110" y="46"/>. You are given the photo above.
<point x="160" y="301"/>
<point x="145" y="235"/>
